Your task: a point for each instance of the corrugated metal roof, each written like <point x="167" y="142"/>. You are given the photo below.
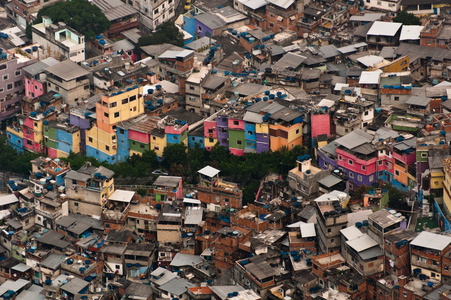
<point x="193" y="215"/>
<point x="168" y="181"/>
<point x="253" y="4"/>
<point x="362" y="243"/>
<point x="366" y="17"/>
<point x="183" y="259"/>
<point x="122" y="196"/>
<point x="308" y="230"/>
<point x="329" y="181"/>
<point x="431" y="240"/>
<point x="370" y="77"/>
<point x="8" y="199"/>
<point x="329" y="51"/>
<point x="282" y="3"/>
<point x="67" y="70"/>
<point x="113" y="9"/>
<point x="410" y="32"/>
<point x="253" y="117"/>
<point x="384" y="28"/>
<point x="370" y="60"/>
<point x="354" y="139"/>
<point x="418" y="100"/>
<point x="209" y="171"/>
<point x="351" y="233"/>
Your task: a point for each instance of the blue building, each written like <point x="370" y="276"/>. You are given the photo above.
<point x="15" y="139"/>
<point x="196" y="136"/>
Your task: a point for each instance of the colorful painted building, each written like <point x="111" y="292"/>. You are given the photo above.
<point x="60" y="139"/>
<point x="34" y="77"/>
<point x="113" y="108"/>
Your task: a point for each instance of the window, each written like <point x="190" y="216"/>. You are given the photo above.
<point x="366" y="113"/>
<point x="116" y="114"/>
<point x="371" y="178"/>
<point x="433" y="274"/>
<point x="118" y="267"/>
<point x="351" y="175"/>
<point x="2" y="67"/>
<point x="329" y="230"/>
<point x="90" y="139"/>
<point x="9" y="86"/>
<point x="359" y="177"/>
<point x="364" y="168"/>
<point x="75" y="204"/>
<point x="155" y="11"/>
<point x="199" y="28"/>
<point x="121" y="131"/>
<point x="424" y="155"/>
<point x="5" y="77"/>
<point x="250" y="133"/>
<point x="113" y="104"/>
<point x="396" y="98"/>
<point x="17" y="73"/>
<point x="350" y="162"/>
<point x="141" y="146"/>
<point x="156" y="148"/>
<point x="57" y="89"/>
<point x="124" y="101"/>
<point x="106" y="115"/>
<point x="174" y="138"/>
<point x="297" y="131"/>
<point x="132" y="98"/>
<point x="396" y="172"/>
<point x="18" y="83"/>
<point x="191" y="88"/>
<point x="29" y="142"/>
<point x="235" y="123"/>
<point x="340" y="157"/>
<point x="239" y="142"/>
<point x="211" y="140"/>
<point x="107" y="148"/>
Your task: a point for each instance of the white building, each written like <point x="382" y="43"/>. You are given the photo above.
<point x="154" y="12"/>
<point x="386" y="5"/>
<point x="59" y="40"/>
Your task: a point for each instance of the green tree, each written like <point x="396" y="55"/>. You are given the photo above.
<point x="166" y="32"/>
<point x="175" y="154"/>
<point x="80" y="15"/>
<point x="407" y="18"/>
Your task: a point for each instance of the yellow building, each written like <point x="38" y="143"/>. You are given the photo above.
<point x="121" y="106"/>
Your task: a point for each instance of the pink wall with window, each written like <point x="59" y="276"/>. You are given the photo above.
<point x="352" y="163"/>
<point x="209" y="125"/>
<point x="33" y="88"/>
<point x="235" y="124"/>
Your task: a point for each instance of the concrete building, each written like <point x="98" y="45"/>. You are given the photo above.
<point x="331" y="218"/>
<point x="88" y="188"/>
<point x="11" y="85"/>
<point x="59" y="40"/>
<point x="68" y="80"/>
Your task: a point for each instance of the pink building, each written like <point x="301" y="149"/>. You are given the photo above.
<point x="320" y="124"/>
<point x="34" y="77"/>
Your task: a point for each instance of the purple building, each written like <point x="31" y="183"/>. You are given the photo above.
<point x="223" y="131"/>
<point x="12" y="88"/>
